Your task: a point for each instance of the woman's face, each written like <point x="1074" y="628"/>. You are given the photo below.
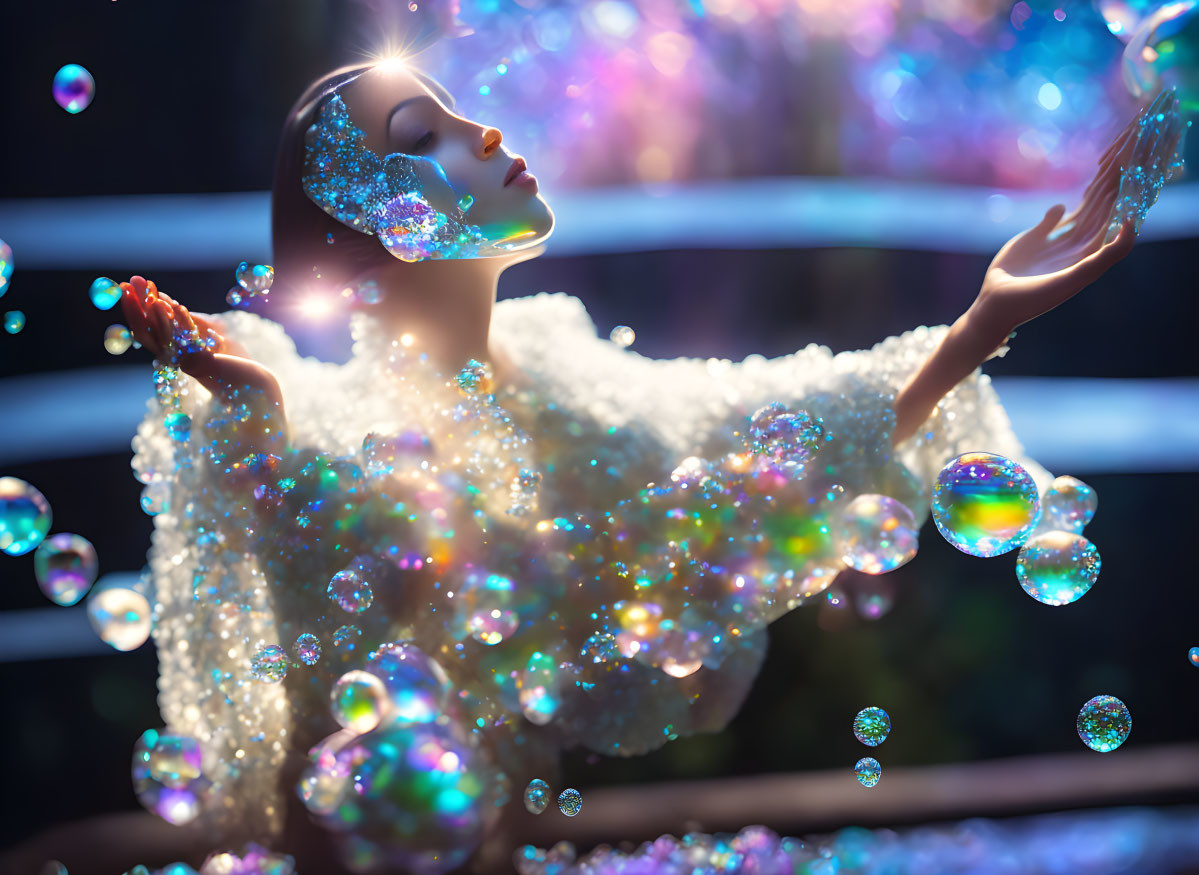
<point x="459" y="162"/>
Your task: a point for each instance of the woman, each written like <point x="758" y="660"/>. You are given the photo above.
<point x="513" y="535"/>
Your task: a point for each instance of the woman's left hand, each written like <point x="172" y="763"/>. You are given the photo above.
<point x="1050" y="263"/>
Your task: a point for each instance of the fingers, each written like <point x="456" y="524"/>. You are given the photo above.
<point x="1094" y="265"/>
<point x="1052" y="216"/>
<point x="161" y="320"/>
<point x="135" y="316"/>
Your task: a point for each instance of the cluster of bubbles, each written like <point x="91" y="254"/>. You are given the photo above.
<point x="253" y="281"/>
<point x="73" y="88"/>
<point x="1104" y="723"/>
<point x="253" y="860"/>
<point x="986" y="505"/>
<point x="871" y="726"/>
<point x="1086" y="843"/>
<point x="537" y="798"/>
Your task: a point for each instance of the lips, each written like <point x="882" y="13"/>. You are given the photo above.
<point x="518" y="167"/>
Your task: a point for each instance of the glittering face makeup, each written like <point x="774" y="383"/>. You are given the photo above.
<point x="407" y="198"/>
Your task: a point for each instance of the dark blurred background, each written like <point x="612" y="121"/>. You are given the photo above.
<point x="190" y="98"/>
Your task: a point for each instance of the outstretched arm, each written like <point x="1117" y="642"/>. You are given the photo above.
<point x="1033" y="273"/>
<point x="166" y="328"/>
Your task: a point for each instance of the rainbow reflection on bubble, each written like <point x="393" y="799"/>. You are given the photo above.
<point x="24" y="516"/>
<point x="871" y="726"/>
<point x="168" y="776"/>
<point x="1104" y="723"/>
<point x="985" y="504"/>
<point x="74" y="88"/>
<point x="417" y="685"/>
<point x="868" y="771"/>
<point x="1068" y="505"/>
<point x="1057" y="568"/>
<point x="876" y="534"/>
<point x="65" y="566"/>
<point x="360" y="701"/>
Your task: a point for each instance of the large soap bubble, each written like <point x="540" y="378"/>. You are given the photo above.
<point x="24" y="516"/>
<point x="168" y="776"/>
<point x="119" y="614"/>
<point x="985" y="504"/>
<point x="876" y="534"/>
<point x="1057" y="568"/>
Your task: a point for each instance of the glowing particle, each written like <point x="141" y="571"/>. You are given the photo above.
<point x="1104" y="723"/>
<point x="985" y="504"/>
<point x="255" y="279"/>
<point x="6" y="266"/>
<point x="623" y="336"/>
<point x="570" y="802"/>
<point x="269" y="664"/>
<point x="24" y="516"/>
<point x="1068" y="505"/>
<point x="74" y="88"/>
<point x="308" y="648"/>
<point x="14" y="321"/>
<point x="65" y="566"/>
<point x="1057" y="568"/>
<point x="867" y="770"/>
<point x="466" y="202"/>
<point x="350" y="592"/>
<point x="1193" y="656"/>
<point x="117" y="339"/>
<point x="360" y="701"/>
<point x="104" y="293"/>
<point x="1049" y="96"/>
<point x="871" y="726"/>
<point x="120" y="615"/>
<point x="168" y="776"/>
<point x="876" y="534"/>
<point x="537" y="796"/>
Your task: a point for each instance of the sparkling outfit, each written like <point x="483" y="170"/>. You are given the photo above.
<point x="587" y="558"/>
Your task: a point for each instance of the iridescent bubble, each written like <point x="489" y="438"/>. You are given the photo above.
<point x="168" y="776"/>
<point x="871" y="726"/>
<point x="537" y="796"/>
<point x="1104" y="723"/>
<point x="985" y="504"/>
<point x="178" y="426"/>
<point x="570" y="802"/>
<point x="539" y="699"/>
<point x="350" y="592"/>
<point x="1068" y="505"/>
<point x="418" y="686"/>
<point x="24" y="516"/>
<point x="104" y="293"/>
<point x="360" y="701"/>
<point x="73" y="88"/>
<point x="308" y="648"/>
<point x="237" y="298"/>
<point x="785" y="435"/>
<point x="623" y="336"/>
<point x="1193" y="656"/>
<point x="65" y="566"/>
<point x="117" y="339"/>
<point x="485" y="602"/>
<point x="346" y="636"/>
<point x="14" y="321"/>
<point x="1057" y="568"/>
<point x="492" y="627"/>
<point x="867" y="770"/>
<point x="876" y="534"/>
<point x="269" y="664"/>
<point x="6" y="266"/>
<point x="256" y="279"/>
<point x="120" y="615"/>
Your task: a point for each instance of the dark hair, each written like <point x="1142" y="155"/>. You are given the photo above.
<point x="299" y="228"/>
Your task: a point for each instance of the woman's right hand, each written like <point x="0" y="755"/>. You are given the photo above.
<point x="171" y="333"/>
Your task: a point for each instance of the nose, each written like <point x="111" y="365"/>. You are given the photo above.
<point x="489" y="142"/>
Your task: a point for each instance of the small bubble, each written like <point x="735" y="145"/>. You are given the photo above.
<point x="623" y="336"/>
<point x="269" y="664"/>
<point x="24" y="516"/>
<point x="360" y="701"/>
<point x="65" y="566"/>
<point x="1193" y="656"/>
<point x="104" y="293"/>
<point x="985" y="504"/>
<point x="1104" y="723"/>
<point x="119" y="615"/>
<point x="570" y="802"/>
<point x="871" y="726"/>
<point x="1057" y="568"/>
<point x="14" y="321"/>
<point x="117" y="339"/>
<point x="256" y="279"/>
<point x="867" y="770"/>
<point x="346" y="636"/>
<point x="73" y="88"/>
<point x="537" y="796"/>
<point x="350" y="592"/>
<point x="466" y="202"/>
<point x="308" y="648"/>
